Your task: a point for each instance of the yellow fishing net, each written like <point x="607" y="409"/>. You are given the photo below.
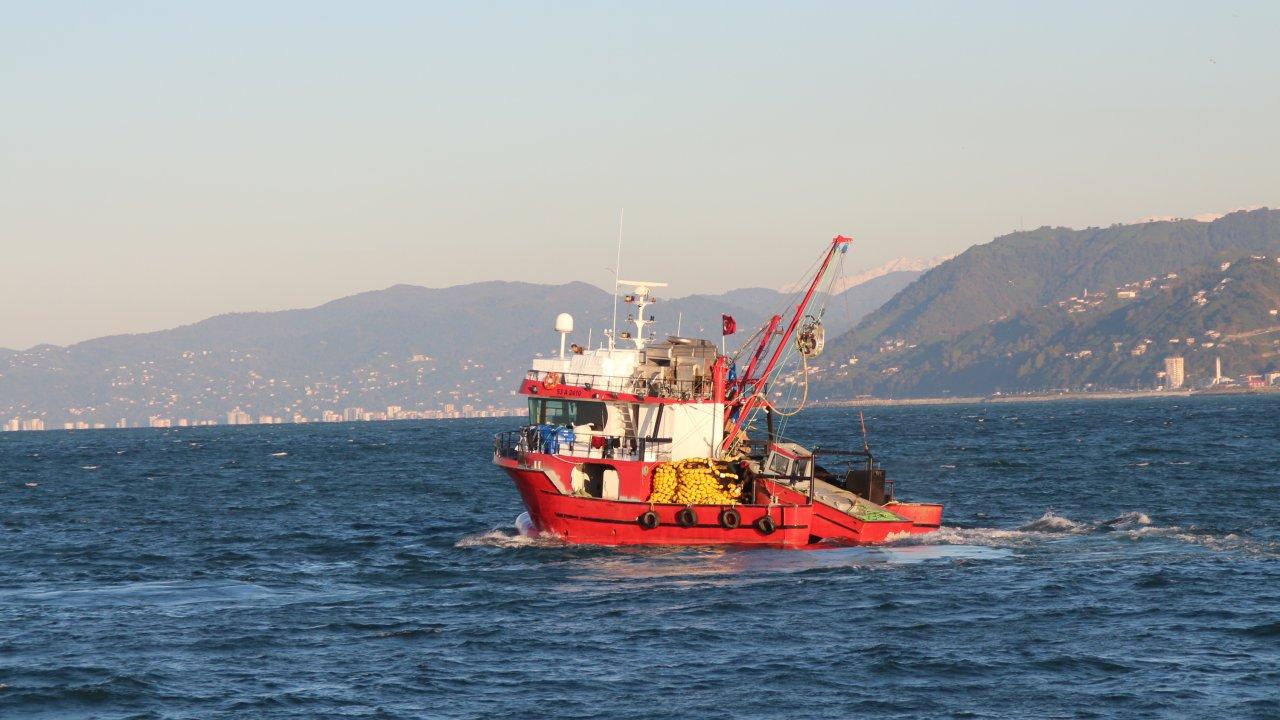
<point x="696" y="481"/>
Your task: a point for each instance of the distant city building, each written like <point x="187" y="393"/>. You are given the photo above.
<point x="239" y="417"/>
<point x="1174" y="372"/>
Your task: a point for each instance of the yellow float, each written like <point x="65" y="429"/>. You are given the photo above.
<point x="695" y="481"/>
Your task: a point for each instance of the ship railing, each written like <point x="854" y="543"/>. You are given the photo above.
<point x="516" y="444"/>
<point x="656" y="386"/>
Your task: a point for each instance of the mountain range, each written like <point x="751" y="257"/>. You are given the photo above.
<point x="1028" y="269"/>
<point x="896" y="265"/>
<point x="1228" y="311"/>
<point x="1036" y="310"/>
<point x="999" y="290"/>
<point x="409" y="346"/>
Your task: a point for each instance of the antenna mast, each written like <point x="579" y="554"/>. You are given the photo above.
<point x="617" y="273"/>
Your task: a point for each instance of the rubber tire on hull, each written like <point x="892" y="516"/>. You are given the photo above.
<point x="686" y="518"/>
<point x="730" y="519"/>
<point x="766" y="525"/>
<point x="648" y="520"/>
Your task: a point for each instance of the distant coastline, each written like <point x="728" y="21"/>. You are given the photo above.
<point x="1044" y="397"/>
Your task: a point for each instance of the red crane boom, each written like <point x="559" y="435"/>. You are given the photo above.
<point x="749" y="398"/>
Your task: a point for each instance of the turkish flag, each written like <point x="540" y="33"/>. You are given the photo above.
<point x="728" y="325"/>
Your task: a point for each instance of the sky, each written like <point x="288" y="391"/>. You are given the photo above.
<point x="164" y="162"/>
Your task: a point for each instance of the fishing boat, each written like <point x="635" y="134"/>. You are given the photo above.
<point x="658" y="443"/>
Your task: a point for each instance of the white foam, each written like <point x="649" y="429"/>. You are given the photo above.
<point x="1133" y="526"/>
<point x="1127" y="519"/>
<point x="507" y="538"/>
<point x="1051" y="522"/>
<point x="981" y="537"/>
<point x="1047" y="527"/>
<point x="1230" y="542"/>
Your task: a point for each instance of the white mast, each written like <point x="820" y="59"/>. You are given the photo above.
<point x="640" y="296"/>
<point x="617" y="273"/>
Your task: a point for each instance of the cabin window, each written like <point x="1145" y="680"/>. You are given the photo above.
<point x="567" y="412"/>
<point x="780" y="464"/>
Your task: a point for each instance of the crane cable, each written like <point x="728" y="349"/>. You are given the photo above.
<point x="804" y="398"/>
<point x="804" y="358"/>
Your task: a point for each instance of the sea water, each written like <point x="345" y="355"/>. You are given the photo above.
<point x="1099" y="559"/>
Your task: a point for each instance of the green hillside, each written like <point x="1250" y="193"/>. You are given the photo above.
<point x="1098" y="342"/>
<point x="1025" y="270"/>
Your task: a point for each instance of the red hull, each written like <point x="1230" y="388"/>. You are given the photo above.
<point x="834" y="525"/>
<point x="616" y="522"/>
<point x="798" y="522"/>
<point x="924" y="517"/>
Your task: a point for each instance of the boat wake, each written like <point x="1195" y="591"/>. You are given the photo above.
<point x="1132" y="526"/>
<point x="508" y="538"/>
<point x="1217" y="542"/>
<point x="1049" y="527"/>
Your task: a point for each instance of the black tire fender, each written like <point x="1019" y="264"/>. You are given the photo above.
<point x="730" y="519"/>
<point x="766" y="525"/>
<point x="686" y="518"/>
<point x="648" y="520"/>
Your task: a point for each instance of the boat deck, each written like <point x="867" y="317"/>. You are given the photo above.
<point x="845" y="501"/>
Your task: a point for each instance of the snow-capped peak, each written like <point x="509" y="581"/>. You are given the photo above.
<point x="900" y="264"/>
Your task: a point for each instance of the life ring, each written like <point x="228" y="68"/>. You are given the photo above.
<point x="551" y="380"/>
<point x="648" y="520"/>
<point x="730" y="519"/>
<point x="766" y="525"/>
<point x="686" y="518"/>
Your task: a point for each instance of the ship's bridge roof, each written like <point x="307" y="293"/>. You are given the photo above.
<point x="616" y="363"/>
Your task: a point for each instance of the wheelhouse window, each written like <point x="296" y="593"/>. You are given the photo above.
<point x="543" y="411"/>
<point x="780" y="464"/>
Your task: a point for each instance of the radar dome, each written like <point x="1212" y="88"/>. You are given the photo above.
<point x="564" y="323"/>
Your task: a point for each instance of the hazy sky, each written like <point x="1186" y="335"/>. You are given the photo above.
<point x="163" y="162"/>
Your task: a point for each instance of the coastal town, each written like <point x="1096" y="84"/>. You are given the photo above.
<point x="236" y="416"/>
<point x="189" y="387"/>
